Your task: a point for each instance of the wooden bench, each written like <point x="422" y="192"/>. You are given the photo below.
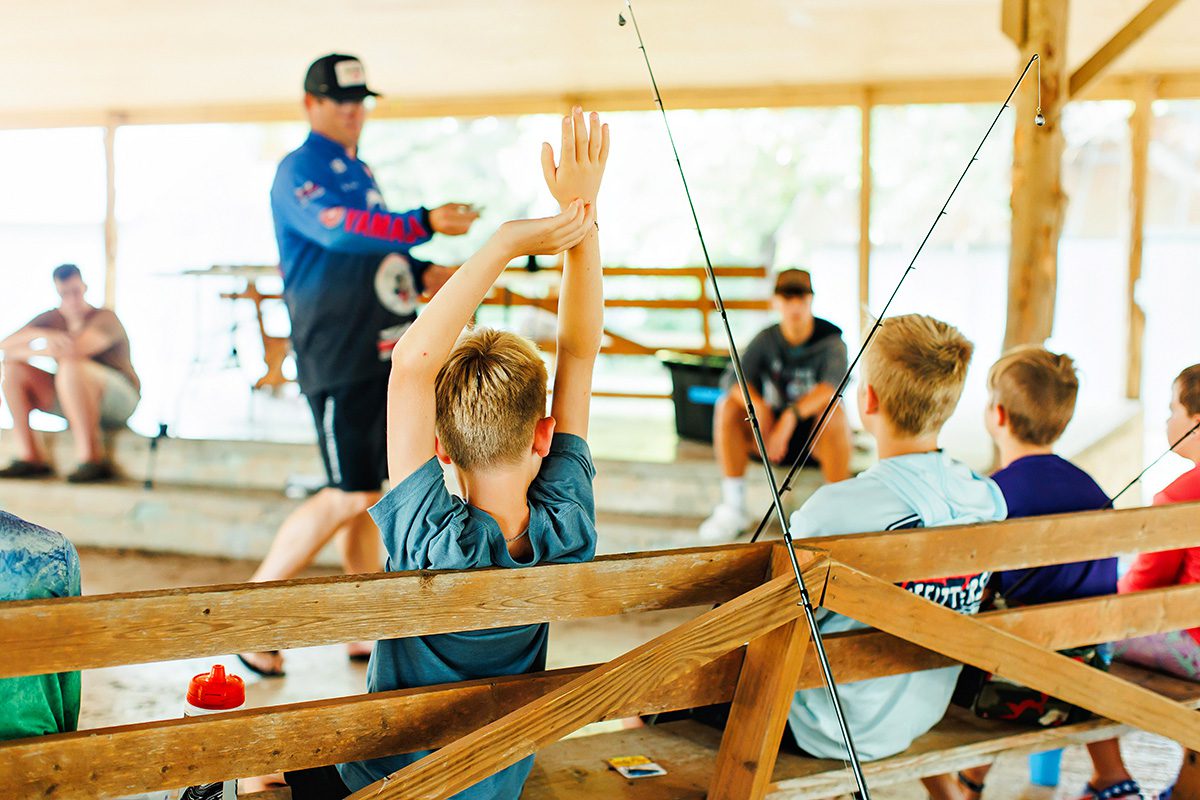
<point x="481" y="726"/>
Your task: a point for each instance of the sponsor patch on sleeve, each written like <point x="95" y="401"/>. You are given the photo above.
<point x="332" y="217"/>
<point x="307" y="192"/>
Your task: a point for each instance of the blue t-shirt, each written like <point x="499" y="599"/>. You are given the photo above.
<point x="37" y="564"/>
<point x="1038" y="485"/>
<point x="426" y="527"/>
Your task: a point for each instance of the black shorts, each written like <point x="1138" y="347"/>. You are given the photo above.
<point x="351" y="423"/>
<point x="796" y="445"/>
<point x="320" y="783"/>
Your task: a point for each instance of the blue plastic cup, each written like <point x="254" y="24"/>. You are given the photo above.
<point x="1044" y="767"/>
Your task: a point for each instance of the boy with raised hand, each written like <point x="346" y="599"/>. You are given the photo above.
<point x="477" y="402"/>
<point x="913" y="375"/>
<point x="1031" y="400"/>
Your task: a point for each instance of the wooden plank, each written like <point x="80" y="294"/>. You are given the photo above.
<point x="147" y="757"/>
<point x="1140" y="123"/>
<point x="82" y="633"/>
<point x="1037" y="201"/>
<point x="665" y="658"/>
<point x="1115" y="47"/>
<point x="865" y="181"/>
<point x="901" y="613"/>
<point x="759" y="712"/>
<point x="1027" y="542"/>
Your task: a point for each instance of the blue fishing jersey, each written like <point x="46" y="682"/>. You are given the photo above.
<point x="350" y="286"/>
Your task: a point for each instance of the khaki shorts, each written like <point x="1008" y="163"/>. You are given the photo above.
<point x="118" y="397"/>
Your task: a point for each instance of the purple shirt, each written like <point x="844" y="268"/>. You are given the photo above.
<point x="1037" y="485"/>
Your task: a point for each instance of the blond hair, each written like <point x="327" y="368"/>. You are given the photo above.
<point x="917" y="366"/>
<point x="1037" y="389"/>
<point x="1188" y="382"/>
<point x="489" y="396"/>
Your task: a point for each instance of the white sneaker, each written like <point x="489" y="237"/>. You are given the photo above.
<point x="725" y="524"/>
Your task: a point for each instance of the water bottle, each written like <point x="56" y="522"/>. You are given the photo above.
<point x="213" y="692"/>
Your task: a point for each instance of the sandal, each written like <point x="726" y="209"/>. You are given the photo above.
<point x="974" y="786"/>
<point x="1127" y="788"/>
<point x="257" y="670"/>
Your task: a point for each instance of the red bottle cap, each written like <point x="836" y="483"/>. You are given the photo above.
<point x="216" y="691"/>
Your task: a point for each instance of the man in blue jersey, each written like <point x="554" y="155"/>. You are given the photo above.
<point x="351" y="288"/>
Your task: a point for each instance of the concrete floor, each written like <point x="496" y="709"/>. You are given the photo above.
<point x="138" y="693"/>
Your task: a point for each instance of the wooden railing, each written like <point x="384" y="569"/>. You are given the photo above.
<point x="628" y="345"/>
<point x="703" y="661"/>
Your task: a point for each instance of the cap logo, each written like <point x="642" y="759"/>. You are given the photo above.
<point x="350" y="73"/>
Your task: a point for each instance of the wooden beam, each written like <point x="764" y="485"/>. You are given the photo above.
<point x="665" y="658"/>
<point x="131" y="759"/>
<point x="110" y="214"/>
<point x="759" y="712"/>
<point x="1014" y="20"/>
<point x="888" y="607"/>
<point x="864" y="215"/>
<point x="1115" y="47"/>
<point x="1038" y="201"/>
<point x="44" y="636"/>
<point x="1140" y="123"/>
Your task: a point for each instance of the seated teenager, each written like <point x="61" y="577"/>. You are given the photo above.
<point x="1176" y="653"/>
<point x="912" y="378"/>
<point x="476" y="401"/>
<point x="93" y="385"/>
<point x="37" y="564"/>
<point x="1032" y="395"/>
<point x="792" y="368"/>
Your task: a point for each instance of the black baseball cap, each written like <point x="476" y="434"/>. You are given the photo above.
<point x="338" y="77"/>
<point x="793" y="282"/>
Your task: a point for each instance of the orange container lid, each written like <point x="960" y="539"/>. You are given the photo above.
<point x="216" y="691"/>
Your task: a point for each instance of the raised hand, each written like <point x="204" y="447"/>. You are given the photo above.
<point x="581" y="160"/>
<point x="547" y="236"/>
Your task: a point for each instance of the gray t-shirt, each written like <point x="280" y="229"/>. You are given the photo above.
<point x="783" y="372"/>
<point x="426" y="527"/>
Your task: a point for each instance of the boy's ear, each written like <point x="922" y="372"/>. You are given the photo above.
<point x="870" y="400"/>
<point x="442" y="455"/>
<point x="1001" y="415"/>
<point x="543" y="434"/>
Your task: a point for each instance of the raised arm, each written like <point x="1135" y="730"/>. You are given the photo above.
<point x="581" y="299"/>
<point x="425" y="346"/>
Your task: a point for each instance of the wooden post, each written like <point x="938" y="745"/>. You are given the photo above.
<point x="1037" y="195"/>
<point x="864" y="216"/>
<point x="1139" y="123"/>
<point x="110" y="214"/>
<point x="1188" y="785"/>
<point x="764" y="693"/>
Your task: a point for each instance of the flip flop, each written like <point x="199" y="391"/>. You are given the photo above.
<point x="1127" y="788"/>
<point x="974" y="786"/>
<point x="256" y="670"/>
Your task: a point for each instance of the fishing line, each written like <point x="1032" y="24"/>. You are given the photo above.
<point x="806" y="451"/>
<point x="1149" y="467"/>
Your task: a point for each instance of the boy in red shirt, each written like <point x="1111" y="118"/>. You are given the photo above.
<point x="1177" y="652"/>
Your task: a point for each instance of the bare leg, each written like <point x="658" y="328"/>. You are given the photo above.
<point x="301" y="536"/>
<point x="27" y="388"/>
<point x="79" y="395"/>
<point x="1108" y="769"/>
<point x="832" y="447"/>
<point x="362" y="551"/>
<point x="949" y="787"/>
<point x="731" y="437"/>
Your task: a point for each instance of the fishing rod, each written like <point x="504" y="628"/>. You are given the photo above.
<point x="814" y="433"/>
<point x="805" y="600"/>
<point x="1151" y="466"/>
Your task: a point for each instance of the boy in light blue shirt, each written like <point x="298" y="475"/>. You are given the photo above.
<point x="478" y="404"/>
<point x="913" y="376"/>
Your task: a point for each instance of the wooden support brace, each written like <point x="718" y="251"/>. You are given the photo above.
<point x="1115" y="47"/>
<point x="665" y="658"/>
<point x="971" y="641"/>
<point x="759" y="712"/>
